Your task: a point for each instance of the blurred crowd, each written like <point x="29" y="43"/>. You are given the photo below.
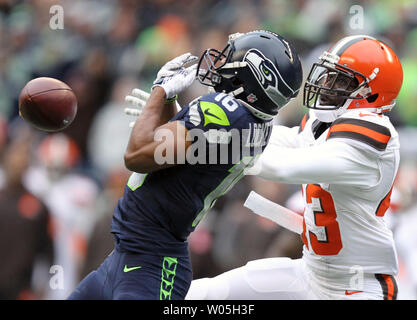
<point x="58" y="191"/>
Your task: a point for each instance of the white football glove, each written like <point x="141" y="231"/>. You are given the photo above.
<point x="174" y="77"/>
<point x="138" y="99"/>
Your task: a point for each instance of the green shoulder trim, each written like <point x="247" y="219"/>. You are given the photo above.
<point x="213" y="114"/>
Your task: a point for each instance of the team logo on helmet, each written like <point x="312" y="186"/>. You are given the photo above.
<point x="262" y="67"/>
<point x="265" y="72"/>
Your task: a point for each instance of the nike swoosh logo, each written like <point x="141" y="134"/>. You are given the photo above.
<point x="126" y="269"/>
<point x="207" y="112"/>
<point x="348" y="293"/>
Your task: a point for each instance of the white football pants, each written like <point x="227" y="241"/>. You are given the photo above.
<point x="275" y="279"/>
<point x="265" y="279"/>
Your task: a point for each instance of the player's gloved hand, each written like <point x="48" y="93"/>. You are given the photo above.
<point x="174" y="77"/>
<point x="137" y="99"/>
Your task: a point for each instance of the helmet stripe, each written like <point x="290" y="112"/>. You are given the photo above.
<point x="346" y="42"/>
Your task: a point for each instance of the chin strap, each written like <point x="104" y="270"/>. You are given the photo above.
<point x="388" y="107"/>
<point x="256" y="112"/>
<point x="382" y="109"/>
<point x="331" y="115"/>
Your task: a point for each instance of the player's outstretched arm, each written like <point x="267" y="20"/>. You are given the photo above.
<point x="331" y="162"/>
<point x="150" y="131"/>
<point x="152" y="128"/>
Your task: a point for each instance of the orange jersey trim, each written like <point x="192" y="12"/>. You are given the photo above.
<point x="384" y="205"/>
<point x="372" y="134"/>
<point x="388" y="285"/>
<point x="361" y="130"/>
<point x="303" y="122"/>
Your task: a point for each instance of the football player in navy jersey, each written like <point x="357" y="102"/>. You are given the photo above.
<point x="183" y="161"/>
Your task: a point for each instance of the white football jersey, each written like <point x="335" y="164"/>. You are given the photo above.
<point x="347" y="170"/>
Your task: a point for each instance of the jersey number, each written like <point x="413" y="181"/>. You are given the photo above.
<point x="227" y="101"/>
<point x="320" y="222"/>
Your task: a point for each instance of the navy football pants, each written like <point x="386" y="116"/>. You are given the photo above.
<point x="133" y="276"/>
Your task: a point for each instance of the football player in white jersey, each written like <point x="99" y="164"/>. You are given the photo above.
<point x="345" y="155"/>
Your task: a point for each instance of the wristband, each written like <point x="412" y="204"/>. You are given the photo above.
<point x="170" y="100"/>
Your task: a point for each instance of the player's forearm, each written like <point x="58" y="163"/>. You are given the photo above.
<point x="139" y="155"/>
<point x="284" y="167"/>
<point x="155" y="113"/>
<point x="327" y="163"/>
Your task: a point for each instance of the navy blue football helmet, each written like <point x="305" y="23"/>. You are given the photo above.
<point x="259" y="68"/>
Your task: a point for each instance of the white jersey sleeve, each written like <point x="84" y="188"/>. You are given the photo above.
<point x="333" y="162"/>
<point x="289" y="137"/>
<point x="348" y="153"/>
<point x="283" y="136"/>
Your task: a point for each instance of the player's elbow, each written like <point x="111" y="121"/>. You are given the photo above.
<point x="137" y="162"/>
<point x="131" y="163"/>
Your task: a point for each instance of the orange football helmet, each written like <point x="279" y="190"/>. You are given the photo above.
<point x="360" y="71"/>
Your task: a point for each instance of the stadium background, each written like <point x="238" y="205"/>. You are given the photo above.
<point x="106" y="48"/>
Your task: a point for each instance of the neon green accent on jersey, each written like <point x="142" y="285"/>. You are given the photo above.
<point x="213" y="114"/>
<point x="128" y="269"/>
<point x="136" y="180"/>
<point x="169" y="269"/>
<point x="235" y="174"/>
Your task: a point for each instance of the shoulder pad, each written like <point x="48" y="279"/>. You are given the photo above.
<point x="222" y="99"/>
<point x="220" y="109"/>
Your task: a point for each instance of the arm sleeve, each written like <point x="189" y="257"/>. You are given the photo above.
<point x="333" y="162"/>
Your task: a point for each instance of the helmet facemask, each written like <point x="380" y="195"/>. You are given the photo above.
<point x="210" y="62"/>
<point x="329" y="86"/>
<point x="215" y="70"/>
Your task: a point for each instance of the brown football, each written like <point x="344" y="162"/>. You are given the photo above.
<point x="48" y="104"/>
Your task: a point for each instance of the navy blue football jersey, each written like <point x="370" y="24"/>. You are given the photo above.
<point x="159" y="210"/>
